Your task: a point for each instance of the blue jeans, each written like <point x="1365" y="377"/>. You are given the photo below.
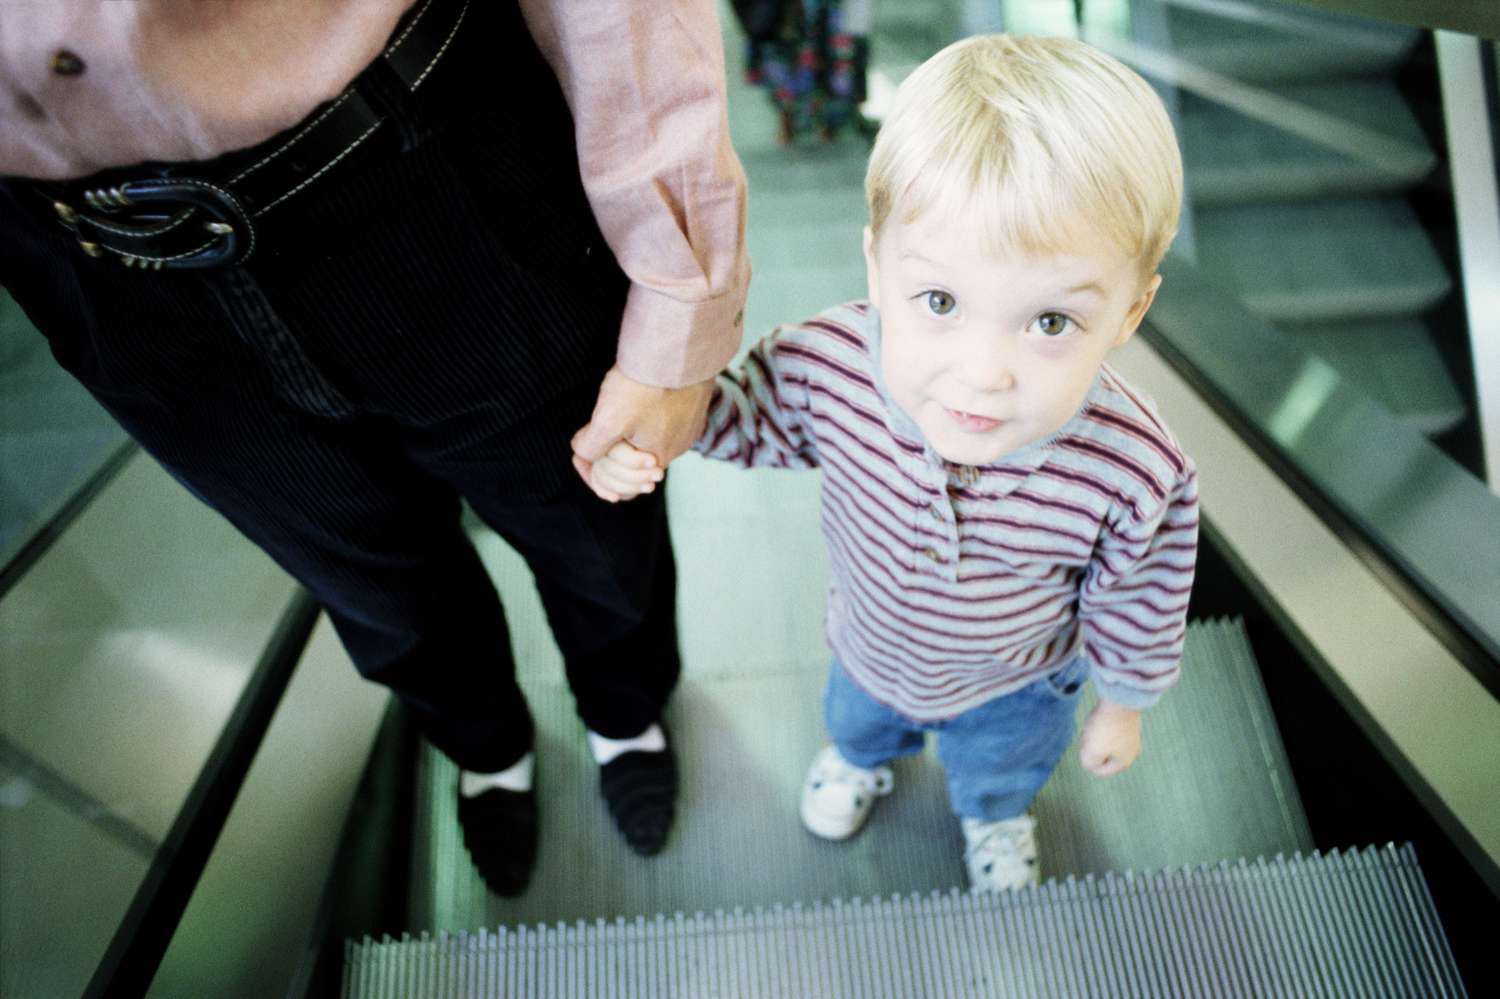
<point x="996" y="756"/>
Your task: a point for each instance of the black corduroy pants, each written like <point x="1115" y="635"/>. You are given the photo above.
<point x="429" y="322"/>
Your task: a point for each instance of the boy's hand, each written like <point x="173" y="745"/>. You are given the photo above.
<point x="1111" y="739"/>
<point x="624" y="472"/>
<point x="661" y="421"/>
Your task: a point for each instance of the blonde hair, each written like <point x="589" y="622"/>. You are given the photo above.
<point x="1047" y="140"/>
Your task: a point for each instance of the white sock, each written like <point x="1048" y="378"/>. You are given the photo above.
<point x="516" y="777"/>
<point x="650" y="741"/>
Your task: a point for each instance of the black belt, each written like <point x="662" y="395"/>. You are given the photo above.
<point x="178" y="220"/>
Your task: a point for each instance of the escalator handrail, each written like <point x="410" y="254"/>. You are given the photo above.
<point x="1473" y="17"/>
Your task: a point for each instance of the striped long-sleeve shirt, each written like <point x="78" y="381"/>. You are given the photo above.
<point x="952" y="585"/>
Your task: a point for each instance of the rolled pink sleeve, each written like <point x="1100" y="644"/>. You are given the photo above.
<point x="645" y="82"/>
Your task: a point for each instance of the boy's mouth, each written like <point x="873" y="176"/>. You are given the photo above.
<point x="971" y="422"/>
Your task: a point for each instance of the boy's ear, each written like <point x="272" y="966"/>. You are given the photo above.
<point x="1138" y="310"/>
<point x="872" y="277"/>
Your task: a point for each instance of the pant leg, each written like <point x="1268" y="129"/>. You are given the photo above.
<point x="458" y="279"/>
<point x="374" y="538"/>
<point x="866" y="732"/>
<point x="605" y="571"/>
<point x="482" y="240"/>
<point x="199" y="371"/>
<point x="608" y="581"/>
<point x="998" y="756"/>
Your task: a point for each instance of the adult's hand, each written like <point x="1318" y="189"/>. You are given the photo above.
<point x="663" y="421"/>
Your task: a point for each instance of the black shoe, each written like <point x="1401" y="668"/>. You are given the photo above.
<point x="641" y="791"/>
<point x="500" y="834"/>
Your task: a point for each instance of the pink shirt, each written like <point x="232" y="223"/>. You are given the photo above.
<point x="190" y="79"/>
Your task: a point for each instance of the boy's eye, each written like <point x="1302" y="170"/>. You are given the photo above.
<point x="940" y="302"/>
<point x="1053" y="324"/>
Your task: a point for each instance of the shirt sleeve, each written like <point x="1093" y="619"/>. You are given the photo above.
<point x="645" y="83"/>
<point x="1134" y="599"/>
<point x="758" y="415"/>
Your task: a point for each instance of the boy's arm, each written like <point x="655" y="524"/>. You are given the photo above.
<point x="754" y="418"/>
<point x="759" y="415"/>
<point x="1134" y="599"/>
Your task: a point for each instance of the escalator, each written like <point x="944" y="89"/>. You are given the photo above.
<point x="1281" y="225"/>
<point x="1314" y="812"/>
<point x="1138" y="896"/>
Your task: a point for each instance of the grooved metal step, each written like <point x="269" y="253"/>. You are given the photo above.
<point x="1261" y="48"/>
<point x="1341" y="924"/>
<point x="1213" y="780"/>
<point x="1233" y="158"/>
<point x="1396" y="363"/>
<point x="1323" y="262"/>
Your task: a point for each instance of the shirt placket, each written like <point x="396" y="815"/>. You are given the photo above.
<point x="935" y="523"/>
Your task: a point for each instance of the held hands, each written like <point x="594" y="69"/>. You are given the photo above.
<point x="623" y="473"/>
<point x="633" y="421"/>
<point x="1111" y="739"/>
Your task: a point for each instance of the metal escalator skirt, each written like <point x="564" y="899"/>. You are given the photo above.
<point x="1353" y="923"/>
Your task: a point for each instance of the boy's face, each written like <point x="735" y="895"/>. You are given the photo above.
<point x="988" y="354"/>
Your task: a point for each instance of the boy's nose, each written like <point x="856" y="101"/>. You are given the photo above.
<point x="989" y="369"/>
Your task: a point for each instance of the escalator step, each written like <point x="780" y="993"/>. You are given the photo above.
<point x="1395" y="362"/>
<point x="1355" y="923"/>
<point x="1213" y="782"/>
<point x="1265" y="47"/>
<point x="1213" y="779"/>
<point x="1324" y="261"/>
<point x="1233" y="158"/>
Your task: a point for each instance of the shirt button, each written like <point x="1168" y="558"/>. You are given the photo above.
<point x="932" y="554"/>
<point x="65" y="63"/>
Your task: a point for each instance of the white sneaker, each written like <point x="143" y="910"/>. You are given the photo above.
<point x="837" y="795"/>
<point x="1001" y="855"/>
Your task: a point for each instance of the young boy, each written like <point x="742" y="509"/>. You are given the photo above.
<point x="1005" y="516"/>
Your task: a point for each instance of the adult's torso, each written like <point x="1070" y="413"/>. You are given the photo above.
<point x="86" y="84"/>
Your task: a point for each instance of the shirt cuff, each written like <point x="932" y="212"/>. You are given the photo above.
<point x="670" y="343"/>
